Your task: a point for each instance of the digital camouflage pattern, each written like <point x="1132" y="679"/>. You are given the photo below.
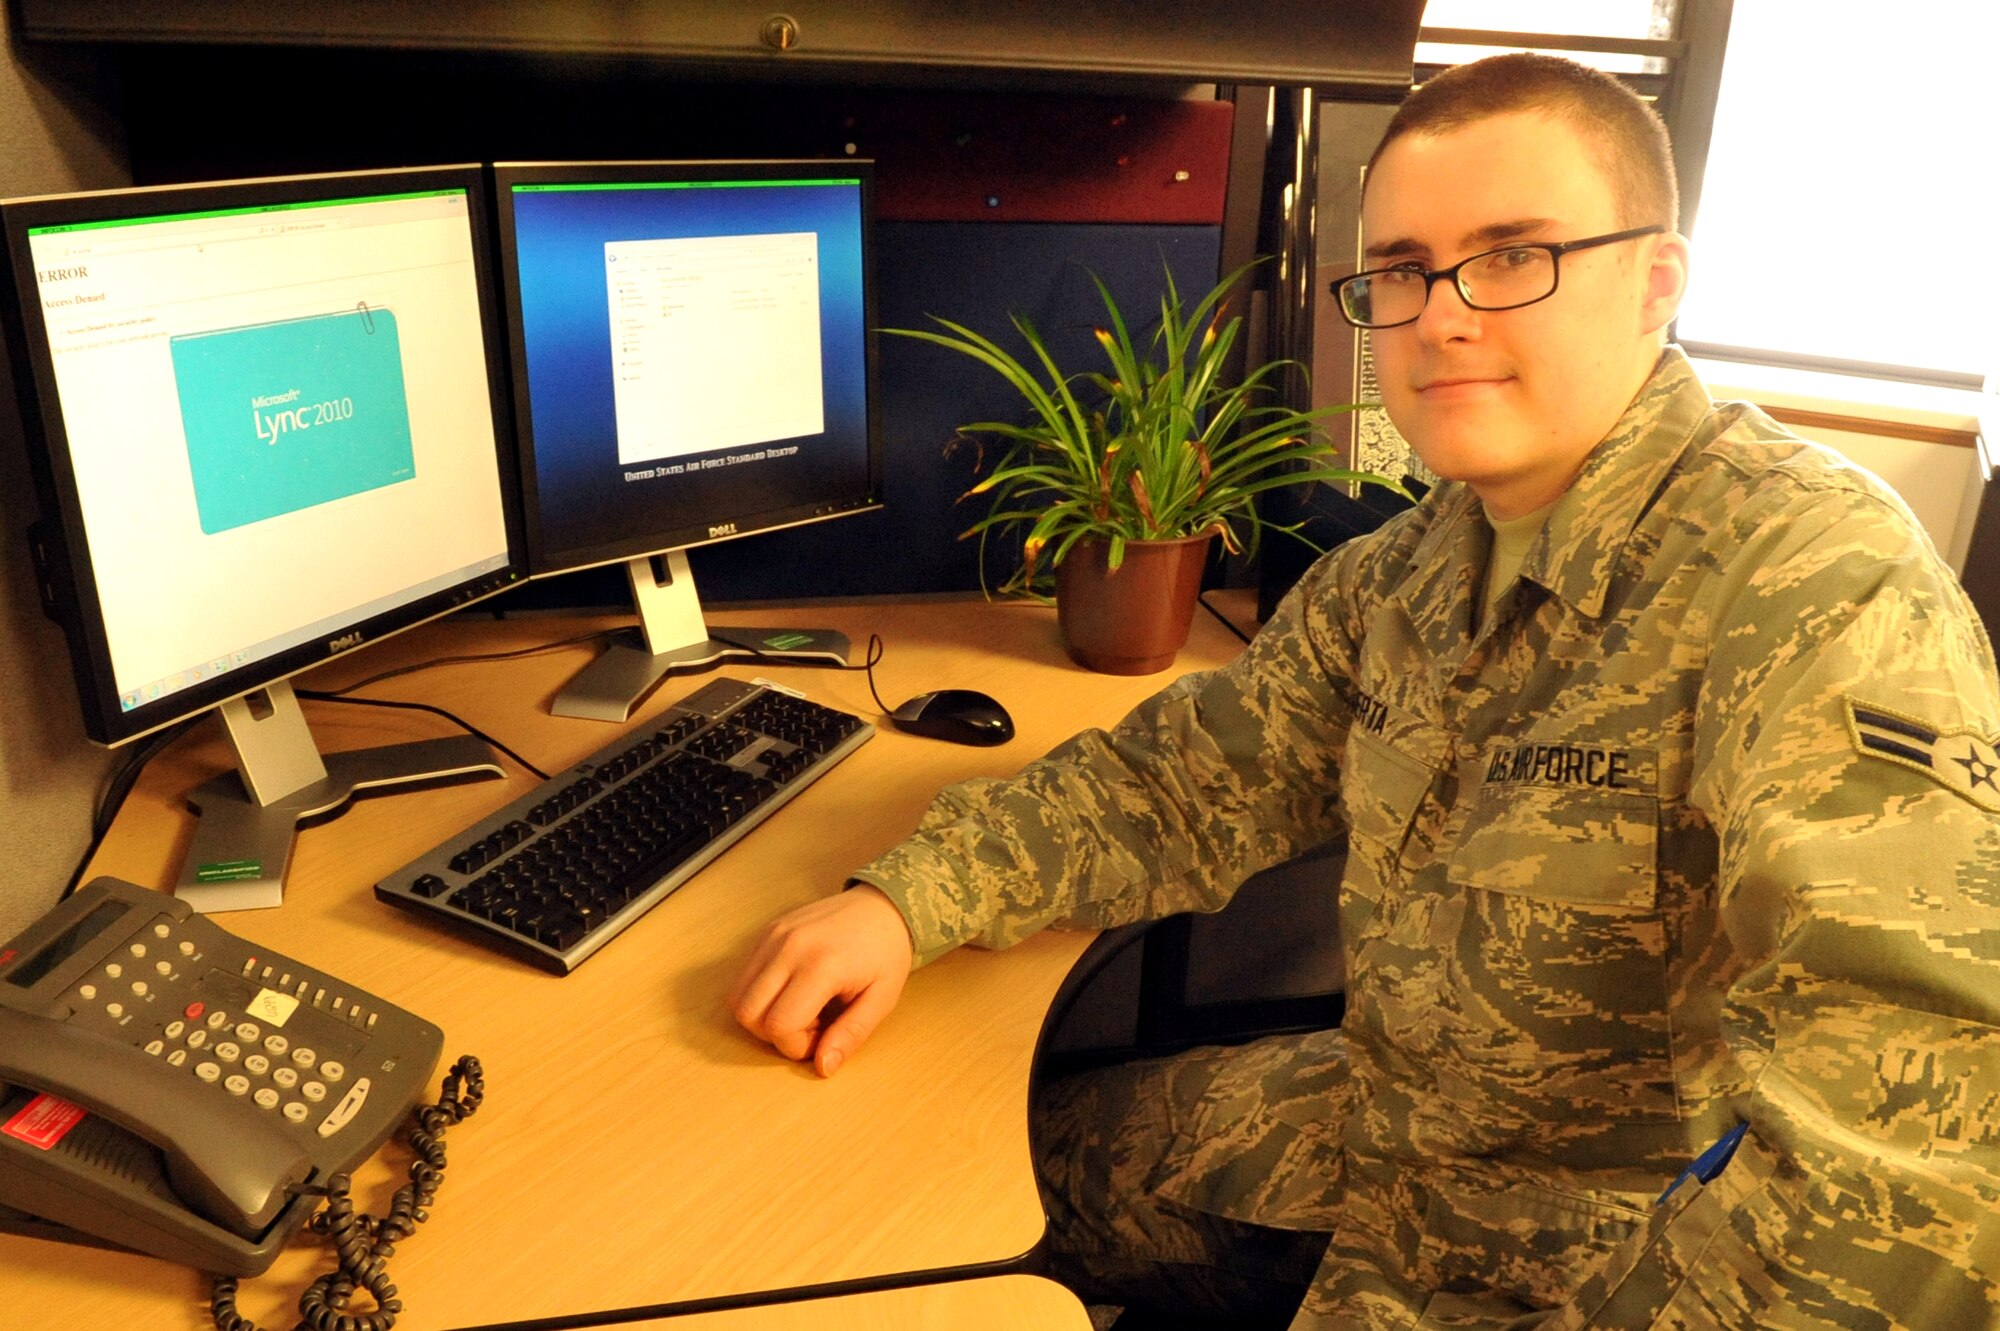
<point x="1624" y="869"/>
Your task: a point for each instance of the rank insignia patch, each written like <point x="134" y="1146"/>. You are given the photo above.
<point x="1962" y="761"/>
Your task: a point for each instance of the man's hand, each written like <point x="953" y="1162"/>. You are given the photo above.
<point x="822" y="977"/>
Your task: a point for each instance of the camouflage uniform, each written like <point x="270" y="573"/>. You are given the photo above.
<point x="1703" y="827"/>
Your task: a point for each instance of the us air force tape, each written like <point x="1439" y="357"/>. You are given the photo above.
<point x="1962" y="761"/>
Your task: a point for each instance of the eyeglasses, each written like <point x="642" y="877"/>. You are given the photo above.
<point x="1502" y="279"/>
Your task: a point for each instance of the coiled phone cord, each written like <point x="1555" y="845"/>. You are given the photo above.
<point x="363" y="1243"/>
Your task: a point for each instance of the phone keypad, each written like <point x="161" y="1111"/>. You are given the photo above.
<point x="234" y="1051"/>
<point x="269" y="1069"/>
<point x="267" y="1082"/>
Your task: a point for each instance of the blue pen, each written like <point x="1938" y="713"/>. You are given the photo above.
<point x="1710" y="1162"/>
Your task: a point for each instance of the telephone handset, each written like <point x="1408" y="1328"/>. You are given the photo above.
<point x="168" y="1087"/>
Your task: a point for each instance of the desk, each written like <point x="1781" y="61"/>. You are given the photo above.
<point x="636" y="1148"/>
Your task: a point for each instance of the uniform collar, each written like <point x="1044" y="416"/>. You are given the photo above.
<point x="1578" y="550"/>
<point x="1446" y="567"/>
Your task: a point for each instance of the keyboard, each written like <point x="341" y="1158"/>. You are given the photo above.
<point x="564" y="869"/>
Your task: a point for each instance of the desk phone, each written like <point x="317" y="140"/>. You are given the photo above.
<point x="169" y="1087"/>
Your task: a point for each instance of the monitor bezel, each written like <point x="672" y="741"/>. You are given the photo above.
<point x="63" y="566"/>
<point x="545" y="559"/>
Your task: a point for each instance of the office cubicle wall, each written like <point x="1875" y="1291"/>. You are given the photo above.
<point x="991" y="207"/>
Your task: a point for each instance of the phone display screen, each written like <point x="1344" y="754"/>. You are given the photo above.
<point x="66" y="945"/>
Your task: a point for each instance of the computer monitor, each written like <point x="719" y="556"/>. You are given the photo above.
<point x="692" y="362"/>
<point x="268" y="419"/>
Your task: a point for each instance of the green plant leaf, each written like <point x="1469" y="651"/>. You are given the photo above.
<point x="1157" y="443"/>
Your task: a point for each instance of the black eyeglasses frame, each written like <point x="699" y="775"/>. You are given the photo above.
<point x="1432" y="276"/>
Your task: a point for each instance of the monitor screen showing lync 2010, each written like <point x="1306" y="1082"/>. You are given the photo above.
<point x="691" y="351"/>
<point x="272" y="416"/>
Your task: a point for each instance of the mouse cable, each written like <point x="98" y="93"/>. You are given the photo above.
<point x="393" y="672"/>
<point x="459" y="721"/>
<point x="869" y="660"/>
<point x="363" y="1243"/>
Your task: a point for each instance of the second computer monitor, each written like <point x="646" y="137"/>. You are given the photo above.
<point x="692" y="363"/>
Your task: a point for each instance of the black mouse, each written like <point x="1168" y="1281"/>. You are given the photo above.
<point x="961" y="716"/>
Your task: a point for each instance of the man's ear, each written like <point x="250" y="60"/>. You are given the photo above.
<point x="1665" y="276"/>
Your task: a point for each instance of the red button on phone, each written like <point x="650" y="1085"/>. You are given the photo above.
<point x="195" y="1009"/>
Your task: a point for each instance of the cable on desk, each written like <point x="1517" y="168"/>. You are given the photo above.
<point x="870" y="659"/>
<point x="117" y="786"/>
<point x="1221" y="618"/>
<point x="316" y="696"/>
<point x="125" y="776"/>
<point x="363" y="1243"/>
<point x="597" y="636"/>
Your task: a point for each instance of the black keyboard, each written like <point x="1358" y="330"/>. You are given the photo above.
<point x="561" y="871"/>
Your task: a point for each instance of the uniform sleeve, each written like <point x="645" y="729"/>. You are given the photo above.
<point x="1848" y="720"/>
<point x="1215" y="777"/>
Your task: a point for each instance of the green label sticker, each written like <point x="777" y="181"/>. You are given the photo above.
<point x="785" y="642"/>
<point x="229" y="871"/>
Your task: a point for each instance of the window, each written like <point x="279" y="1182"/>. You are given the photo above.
<point x="1846" y="217"/>
<point x="1453" y="30"/>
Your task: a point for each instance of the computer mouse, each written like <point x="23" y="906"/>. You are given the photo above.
<point x="961" y="716"/>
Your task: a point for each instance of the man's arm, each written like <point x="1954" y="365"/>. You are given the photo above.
<point x="1848" y="720"/>
<point x="1213" y="778"/>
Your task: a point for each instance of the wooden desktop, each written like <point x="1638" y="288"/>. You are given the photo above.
<point x="637" y="1149"/>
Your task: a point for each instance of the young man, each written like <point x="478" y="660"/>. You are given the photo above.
<point x="1664" y="745"/>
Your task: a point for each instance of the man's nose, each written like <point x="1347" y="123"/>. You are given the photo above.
<point x="1445" y="315"/>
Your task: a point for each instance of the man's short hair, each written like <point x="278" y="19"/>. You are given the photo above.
<point x="1623" y="132"/>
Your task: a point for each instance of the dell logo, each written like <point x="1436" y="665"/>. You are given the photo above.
<point x="343" y="642"/>
<point x="61" y="274"/>
<point x="726" y="529"/>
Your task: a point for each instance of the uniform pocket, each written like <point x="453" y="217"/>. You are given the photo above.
<point x="1559" y="968"/>
<point x="1535" y="1243"/>
<point x="1382" y="791"/>
<point x="1563" y="846"/>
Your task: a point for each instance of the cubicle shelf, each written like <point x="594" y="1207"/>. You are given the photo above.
<point x="1361" y="47"/>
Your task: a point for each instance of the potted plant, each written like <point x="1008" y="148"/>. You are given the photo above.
<point x="1123" y="480"/>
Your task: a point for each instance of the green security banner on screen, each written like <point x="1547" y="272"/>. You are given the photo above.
<point x="282" y="416"/>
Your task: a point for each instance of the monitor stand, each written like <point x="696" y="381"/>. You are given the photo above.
<point x="247" y="819"/>
<point x="674" y="635"/>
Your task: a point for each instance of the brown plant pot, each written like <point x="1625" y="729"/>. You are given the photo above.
<point x="1133" y="621"/>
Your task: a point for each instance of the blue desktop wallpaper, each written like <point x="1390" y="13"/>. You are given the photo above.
<point x="584" y="509"/>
